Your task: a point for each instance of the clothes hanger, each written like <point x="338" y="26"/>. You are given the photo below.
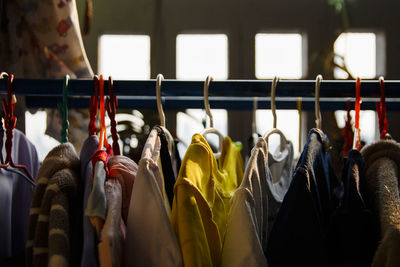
<point x="254" y="135"/>
<point x="63" y="110"/>
<point x="111" y="106"/>
<point x="381" y="110"/>
<point x="94" y="104"/>
<point x="275" y="130"/>
<point x="347" y="134"/>
<point x="299" y="111"/>
<point x="211" y="129"/>
<point x="103" y="137"/>
<point x="9" y="125"/>
<point x="357" y="137"/>
<point x="161" y="114"/>
<point x="318" y="117"/>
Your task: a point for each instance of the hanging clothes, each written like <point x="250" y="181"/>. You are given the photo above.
<point x="114" y="230"/>
<point x="298" y="237"/>
<point x="118" y="188"/>
<point x="89" y="252"/>
<point x="18" y="193"/>
<point x="382" y="161"/>
<point x="96" y="207"/>
<point x="150" y="238"/>
<point x="55" y="219"/>
<point x="203" y="191"/>
<point x="255" y="205"/>
<point x="354" y="229"/>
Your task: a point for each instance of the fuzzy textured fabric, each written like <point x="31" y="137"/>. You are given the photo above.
<point x="50" y="229"/>
<point x="382" y="173"/>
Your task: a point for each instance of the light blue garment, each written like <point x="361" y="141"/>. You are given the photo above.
<point x="89" y="253"/>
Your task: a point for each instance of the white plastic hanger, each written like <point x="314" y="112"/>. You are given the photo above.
<point x="275" y="130"/>
<point x="254" y="134"/>
<point x="161" y="114"/>
<point x="211" y="130"/>
<point x="318" y="117"/>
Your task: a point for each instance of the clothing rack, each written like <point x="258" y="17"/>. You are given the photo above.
<point x="228" y="94"/>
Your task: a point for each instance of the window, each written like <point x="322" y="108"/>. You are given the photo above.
<point x="35" y="125"/>
<point x="356" y="51"/>
<point x="199" y="55"/>
<point x="124" y="56"/>
<point x="278" y="55"/>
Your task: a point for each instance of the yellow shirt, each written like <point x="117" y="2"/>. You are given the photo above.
<point x="203" y="191"/>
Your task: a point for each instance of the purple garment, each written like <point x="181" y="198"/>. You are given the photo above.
<point x="89" y="253"/>
<point x="23" y="152"/>
<point x="5" y="220"/>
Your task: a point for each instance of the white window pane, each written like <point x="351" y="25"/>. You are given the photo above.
<point x="368" y="123"/>
<point x="359" y="52"/>
<point x="287" y="122"/>
<point x="278" y="55"/>
<point x="199" y="55"/>
<point x="35" y="127"/>
<point x="190" y="122"/>
<point x="124" y="56"/>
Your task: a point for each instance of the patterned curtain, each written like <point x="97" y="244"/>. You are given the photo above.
<point x="42" y="39"/>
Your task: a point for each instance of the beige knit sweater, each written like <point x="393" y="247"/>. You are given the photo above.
<point x="382" y="174"/>
<point x="48" y="241"/>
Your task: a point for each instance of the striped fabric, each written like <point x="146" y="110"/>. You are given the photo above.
<point x="49" y="229"/>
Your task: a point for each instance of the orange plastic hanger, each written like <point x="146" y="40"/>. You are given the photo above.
<point x="93" y="107"/>
<point x="357" y="136"/>
<point x="103" y="137"/>
<point x="9" y="124"/>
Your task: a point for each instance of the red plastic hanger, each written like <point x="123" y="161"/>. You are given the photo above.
<point x="103" y="137"/>
<point x="357" y="137"/>
<point x="9" y="125"/>
<point x="111" y="106"/>
<point x="381" y="109"/>
<point x="94" y="104"/>
<point x="347" y="133"/>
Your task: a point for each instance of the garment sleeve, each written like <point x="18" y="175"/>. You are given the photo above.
<point x="59" y="231"/>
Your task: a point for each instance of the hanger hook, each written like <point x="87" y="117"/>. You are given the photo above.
<point x="206" y="103"/>
<point x="273" y="105"/>
<point x="63" y="110"/>
<point x="159" y="79"/>
<point x="318" y="118"/>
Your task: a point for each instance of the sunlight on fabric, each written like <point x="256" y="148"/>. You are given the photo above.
<point x="190" y="122"/>
<point x="35" y="127"/>
<point x="278" y="55"/>
<point x="368" y="124"/>
<point x="287" y="122"/>
<point x="124" y="57"/>
<point x="359" y="53"/>
<point x="199" y="55"/>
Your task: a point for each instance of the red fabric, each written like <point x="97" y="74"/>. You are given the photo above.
<point x="347" y="132"/>
<point x="381" y="110"/>
<point x="357" y="117"/>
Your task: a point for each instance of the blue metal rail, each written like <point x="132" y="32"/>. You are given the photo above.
<point x="229" y="94"/>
